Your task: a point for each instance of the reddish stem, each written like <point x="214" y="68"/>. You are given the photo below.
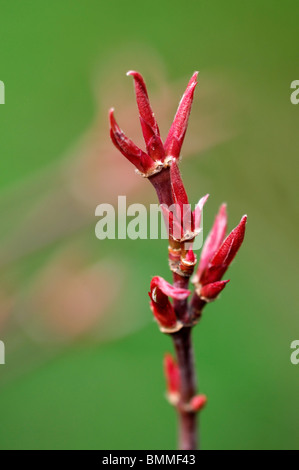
<point x="182" y="339"/>
<point x="196" y="307"/>
<point x="187" y="419"/>
<point x="181" y="306"/>
<point x="162" y="185"/>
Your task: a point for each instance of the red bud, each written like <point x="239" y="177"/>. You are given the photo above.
<point x="160" y="304"/>
<point x="198" y="403"/>
<point x="197" y="213"/>
<point x="178" y="129"/>
<point x="172" y="375"/>
<point x="164" y="313"/>
<point x="168" y="290"/>
<point x="225" y="254"/>
<point x="148" y="121"/>
<point x="214" y="240"/>
<point x="211" y="291"/>
<point x="190" y="257"/>
<point x="133" y="153"/>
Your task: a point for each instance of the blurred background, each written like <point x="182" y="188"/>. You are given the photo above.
<point x="83" y="355"/>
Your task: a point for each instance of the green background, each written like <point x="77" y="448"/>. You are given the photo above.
<point x="108" y="394"/>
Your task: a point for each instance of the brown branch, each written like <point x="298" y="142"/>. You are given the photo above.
<point x="162" y="185"/>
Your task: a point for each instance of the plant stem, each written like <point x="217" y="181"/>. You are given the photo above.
<point x="162" y="185"/>
<point x="182" y="339"/>
<point x="187" y="419"/>
<point x="181" y="306"/>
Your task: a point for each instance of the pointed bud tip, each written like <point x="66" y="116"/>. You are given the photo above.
<point x="242" y="225"/>
<point x="200" y="205"/>
<point x="111" y="115"/>
<point x="138" y="80"/>
<point x="195" y="77"/>
<point x="132" y="73"/>
<point x="203" y="200"/>
<point x="190" y="256"/>
<point x="192" y="83"/>
<point x="136" y="75"/>
<point x="210" y="292"/>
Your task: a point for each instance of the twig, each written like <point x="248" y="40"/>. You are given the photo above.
<point x="187" y="418"/>
<point x="159" y="165"/>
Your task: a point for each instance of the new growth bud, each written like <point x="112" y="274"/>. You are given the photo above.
<point x="172" y="375"/>
<point x="157" y="155"/>
<point x="162" y="309"/>
<point x="179" y="126"/>
<point x="198" y="403"/>
<point x="217" y="255"/>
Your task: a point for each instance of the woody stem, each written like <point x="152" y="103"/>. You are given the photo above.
<point x="182" y="339"/>
<point x="161" y="183"/>
<point x="181" y="306"/>
<point x="187" y="419"/>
